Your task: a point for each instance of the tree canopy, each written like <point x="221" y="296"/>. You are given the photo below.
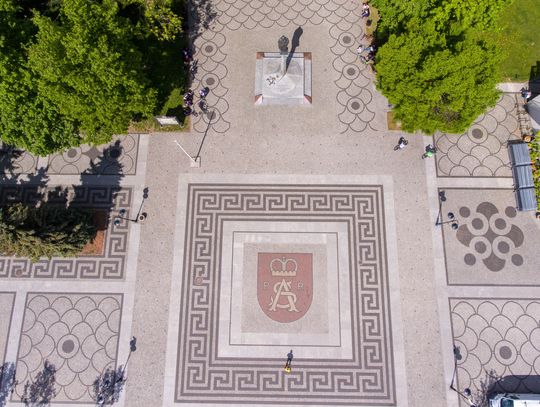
<point x="74" y="71"/>
<point x="435" y="66"/>
<point x="46" y="231"/>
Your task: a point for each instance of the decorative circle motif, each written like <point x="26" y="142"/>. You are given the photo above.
<point x="505" y="352"/>
<point x="210" y="81"/>
<point x="510" y="212"/>
<point x="209" y="49"/>
<point x="503" y="247"/>
<point x="469" y="259"/>
<point x="355" y="105"/>
<point x="477" y="223"/>
<point x="492" y="237"/>
<point x="72" y="153"/>
<point x="517" y="260"/>
<point x="347" y="39"/>
<point x="477" y="133"/>
<point x="500" y="223"/>
<point x="480" y="247"/>
<point x="68" y="346"/>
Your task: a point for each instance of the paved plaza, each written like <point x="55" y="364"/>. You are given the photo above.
<point x="302" y="230"/>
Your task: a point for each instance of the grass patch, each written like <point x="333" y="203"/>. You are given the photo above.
<point x="519" y="38"/>
<point x="392" y="123"/>
<point x="372" y="21"/>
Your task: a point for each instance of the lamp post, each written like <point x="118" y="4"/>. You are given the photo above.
<point x="122" y="216"/>
<point x="451" y="219"/>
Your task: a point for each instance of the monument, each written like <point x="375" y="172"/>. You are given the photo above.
<point x="284" y="77"/>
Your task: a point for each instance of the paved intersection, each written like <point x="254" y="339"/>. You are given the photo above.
<point x="302" y="211"/>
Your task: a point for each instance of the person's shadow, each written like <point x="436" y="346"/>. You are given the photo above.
<point x="295" y="43"/>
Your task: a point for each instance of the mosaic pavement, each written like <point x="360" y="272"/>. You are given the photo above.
<point x="119" y="156"/>
<point x="233" y="353"/>
<point x="15" y="161"/>
<point x="358" y="102"/>
<point x="494" y="243"/>
<point x="109" y="265"/>
<point x="6" y="309"/>
<point x="482" y="150"/>
<point x="497" y="344"/>
<point x="76" y="333"/>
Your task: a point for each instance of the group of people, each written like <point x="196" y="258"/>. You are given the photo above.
<point x="188" y="101"/>
<point x="366" y="54"/>
<point x="429" y="151"/>
<point x="365" y="10"/>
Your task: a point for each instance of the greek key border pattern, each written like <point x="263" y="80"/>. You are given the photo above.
<point x="109" y="266"/>
<point x="202" y="376"/>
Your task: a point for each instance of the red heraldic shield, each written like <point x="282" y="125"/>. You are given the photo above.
<point x="285" y="285"/>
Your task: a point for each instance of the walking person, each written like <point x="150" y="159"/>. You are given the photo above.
<point x="402" y="143"/>
<point x="430" y="150"/>
<point x="288" y="362"/>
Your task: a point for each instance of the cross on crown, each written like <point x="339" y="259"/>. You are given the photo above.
<point x="283" y="267"/>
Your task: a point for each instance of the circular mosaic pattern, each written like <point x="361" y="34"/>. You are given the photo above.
<point x="477" y="224"/>
<point x="480" y="247"/>
<point x="469" y="259"/>
<point x="72" y="153"/>
<point x="517" y="260"/>
<point x="510" y="212"/>
<point x="477" y="133"/>
<point x="499" y="237"/>
<point x="503" y="247"/>
<point x="500" y="223"/>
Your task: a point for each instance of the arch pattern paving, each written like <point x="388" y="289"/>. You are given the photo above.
<point x="496" y="345"/>
<point x="481" y="151"/>
<point x="75" y="333"/>
<point x="355" y="91"/>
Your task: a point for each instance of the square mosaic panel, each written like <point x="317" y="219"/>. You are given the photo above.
<point x="110" y="265"/>
<point x="363" y="377"/>
<point x="494" y="243"/>
<point x="482" y="150"/>
<point x="497" y="345"/>
<point x="75" y="333"/>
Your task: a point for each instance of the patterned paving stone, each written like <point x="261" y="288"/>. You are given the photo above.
<point x="496" y="344"/>
<point x="356" y="96"/>
<point x="76" y="333"/>
<point x="15" y="161"/>
<point x="119" y="156"/>
<point x="6" y="307"/>
<point x="213" y="367"/>
<point x="482" y="150"/>
<point x="109" y="265"/>
<point x="494" y="243"/>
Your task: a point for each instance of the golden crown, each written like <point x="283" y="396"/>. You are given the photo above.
<point x="283" y="267"/>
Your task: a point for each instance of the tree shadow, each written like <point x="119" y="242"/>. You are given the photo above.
<point x="7" y="381"/>
<point x="201" y="13"/>
<point x="8" y="156"/>
<point x="295" y="43"/>
<point x="99" y="172"/>
<point x="42" y="390"/>
<point x="108" y="387"/>
<point x="29" y="190"/>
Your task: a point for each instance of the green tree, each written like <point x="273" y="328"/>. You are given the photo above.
<point x="88" y="66"/>
<point x="26" y="118"/>
<point x="46" y="231"/>
<point x="434" y="64"/>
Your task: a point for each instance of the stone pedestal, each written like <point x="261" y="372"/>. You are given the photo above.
<point x="293" y="88"/>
